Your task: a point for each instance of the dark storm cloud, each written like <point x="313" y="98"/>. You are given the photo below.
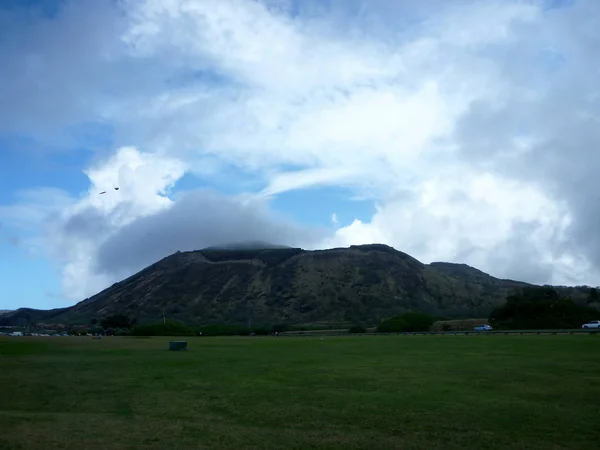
<point x="197" y="220"/>
<point x="88" y="223"/>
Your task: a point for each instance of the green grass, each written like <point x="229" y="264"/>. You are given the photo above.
<point x="367" y="392"/>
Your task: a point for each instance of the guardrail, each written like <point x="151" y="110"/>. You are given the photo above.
<point x="451" y="333"/>
<point x="576" y="331"/>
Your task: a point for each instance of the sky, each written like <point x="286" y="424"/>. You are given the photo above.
<point x="462" y="131"/>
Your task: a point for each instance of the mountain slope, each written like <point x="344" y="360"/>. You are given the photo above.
<point x="269" y="285"/>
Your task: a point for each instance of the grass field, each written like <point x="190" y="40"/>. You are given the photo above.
<point x="367" y="392"/>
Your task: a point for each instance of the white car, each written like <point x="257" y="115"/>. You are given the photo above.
<point x="592" y="324"/>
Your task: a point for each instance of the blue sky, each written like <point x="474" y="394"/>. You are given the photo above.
<point x="22" y="170"/>
<point x="439" y="128"/>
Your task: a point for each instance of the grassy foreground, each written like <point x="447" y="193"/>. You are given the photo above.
<point x="367" y="392"/>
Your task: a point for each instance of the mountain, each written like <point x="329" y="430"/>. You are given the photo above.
<point x="247" y="245"/>
<point x="5" y="311"/>
<point x="229" y="284"/>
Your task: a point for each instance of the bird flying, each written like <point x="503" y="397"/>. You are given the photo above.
<point x="104" y="192"/>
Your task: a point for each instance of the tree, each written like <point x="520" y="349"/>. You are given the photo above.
<point x="116" y="321"/>
<point x="594" y="297"/>
<point x="407" y="322"/>
<point x="96" y="330"/>
<point x="538" y="308"/>
<point x="354" y="329"/>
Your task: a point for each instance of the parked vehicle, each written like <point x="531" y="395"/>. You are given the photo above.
<point x="592" y="324"/>
<point x="485" y="327"/>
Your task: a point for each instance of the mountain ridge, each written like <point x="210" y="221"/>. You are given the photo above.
<point x="278" y="284"/>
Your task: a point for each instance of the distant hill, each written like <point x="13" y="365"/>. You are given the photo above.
<point x="270" y="284"/>
<point x="5" y="311"/>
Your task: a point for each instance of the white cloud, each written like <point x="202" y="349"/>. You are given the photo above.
<point x="99" y="239"/>
<point x="78" y="232"/>
<point x="472" y="129"/>
<point x="144" y="181"/>
<point x="287" y="181"/>
<point x="315" y="97"/>
<point x="475" y="218"/>
<point x="75" y="228"/>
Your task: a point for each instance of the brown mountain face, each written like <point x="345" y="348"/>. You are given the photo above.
<point x="365" y="284"/>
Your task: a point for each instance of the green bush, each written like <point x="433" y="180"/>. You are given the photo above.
<point x="261" y="331"/>
<point x="407" y="322"/>
<point x="96" y="330"/>
<point x="121" y="332"/>
<point x="357" y="329"/>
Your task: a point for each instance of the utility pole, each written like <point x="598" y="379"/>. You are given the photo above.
<point x="164" y="319"/>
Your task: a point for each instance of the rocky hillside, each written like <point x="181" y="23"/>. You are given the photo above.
<point x="287" y="285"/>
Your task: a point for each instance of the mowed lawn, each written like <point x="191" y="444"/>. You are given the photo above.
<point x="354" y="392"/>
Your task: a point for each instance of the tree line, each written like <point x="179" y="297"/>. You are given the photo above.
<point x="544" y="308"/>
